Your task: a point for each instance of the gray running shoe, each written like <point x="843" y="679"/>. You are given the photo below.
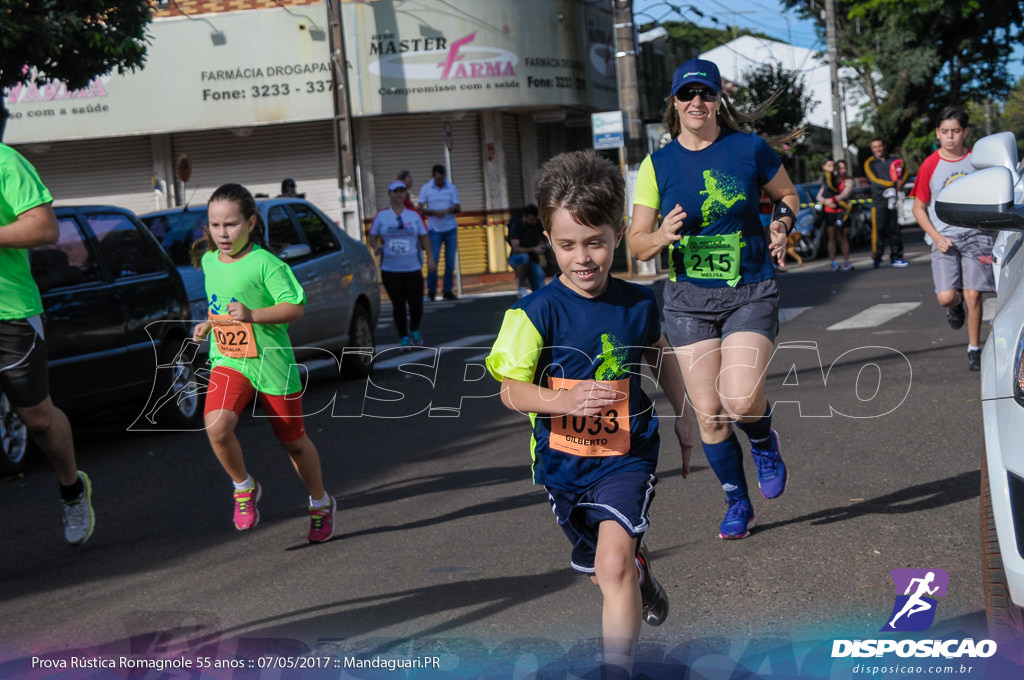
<point x="79" y="519"/>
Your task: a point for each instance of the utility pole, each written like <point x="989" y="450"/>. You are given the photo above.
<point x="629" y="103"/>
<point x="625" y="71"/>
<point x="343" y="138"/>
<point x="833" y="63"/>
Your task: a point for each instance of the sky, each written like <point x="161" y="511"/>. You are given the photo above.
<point x="764" y="16"/>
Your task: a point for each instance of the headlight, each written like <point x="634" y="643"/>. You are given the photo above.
<point x="1018" y="371"/>
<point x="805" y="222"/>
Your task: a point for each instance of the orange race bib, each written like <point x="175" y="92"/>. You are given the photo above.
<point x="602" y="435"/>
<point x="234" y="339"/>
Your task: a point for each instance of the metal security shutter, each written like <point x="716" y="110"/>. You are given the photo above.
<point x="544" y="151"/>
<point x="397" y="143"/>
<point x="416" y="143"/>
<point x="261" y="159"/>
<point x="467" y="171"/>
<point x="513" y="160"/>
<point x="112" y="171"/>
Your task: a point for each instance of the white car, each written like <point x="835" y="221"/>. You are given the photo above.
<point x="991" y="199"/>
<point x="905" y="208"/>
<point x="337" y="272"/>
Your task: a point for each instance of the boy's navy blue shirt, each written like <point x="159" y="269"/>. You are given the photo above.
<point x="556" y="333"/>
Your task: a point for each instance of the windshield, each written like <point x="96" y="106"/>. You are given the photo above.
<point x="177" y="231"/>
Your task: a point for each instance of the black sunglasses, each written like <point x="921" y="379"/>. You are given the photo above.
<point x="686" y="94"/>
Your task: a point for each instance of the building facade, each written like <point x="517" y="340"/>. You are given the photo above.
<point x="244" y="89"/>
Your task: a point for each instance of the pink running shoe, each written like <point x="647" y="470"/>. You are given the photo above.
<point x="321" y="522"/>
<point x="247" y="514"/>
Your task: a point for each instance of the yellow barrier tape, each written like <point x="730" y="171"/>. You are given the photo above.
<point x="818" y="205"/>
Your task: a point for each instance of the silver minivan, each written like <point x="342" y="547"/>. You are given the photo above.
<point x="337" y="272"/>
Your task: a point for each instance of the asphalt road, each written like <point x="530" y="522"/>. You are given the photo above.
<point x="444" y="544"/>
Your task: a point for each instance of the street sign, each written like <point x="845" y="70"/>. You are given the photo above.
<point x="608" y="129"/>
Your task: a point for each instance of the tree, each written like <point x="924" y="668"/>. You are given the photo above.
<point x="43" y="41"/>
<point x="685" y="40"/>
<point x="1012" y="116"/>
<point x="788" y="113"/>
<point x="914" y="56"/>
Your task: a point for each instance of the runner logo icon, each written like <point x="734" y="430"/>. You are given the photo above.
<point x="915" y="606"/>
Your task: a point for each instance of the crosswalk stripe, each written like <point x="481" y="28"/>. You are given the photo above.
<point x="787" y="314"/>
<point x="875" y="315"/>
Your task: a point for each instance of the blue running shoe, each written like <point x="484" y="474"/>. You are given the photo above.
<point x="739" y="519"/>
<point x="771" y="471"/>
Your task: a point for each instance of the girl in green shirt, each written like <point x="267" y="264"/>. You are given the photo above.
<point x="252" y="297"/>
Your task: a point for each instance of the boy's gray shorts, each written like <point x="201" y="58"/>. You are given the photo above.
<point x="967" y="265"/>
<point x="693" y="313"/>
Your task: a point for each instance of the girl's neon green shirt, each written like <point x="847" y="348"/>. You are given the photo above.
<point x="258" y="280"/>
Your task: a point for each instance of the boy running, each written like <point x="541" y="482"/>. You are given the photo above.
<point x="961" y="257"/>
<point x="569" y="354"/>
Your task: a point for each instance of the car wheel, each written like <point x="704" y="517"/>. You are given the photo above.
<point x="360" y="334"/>
<point x="1005" y="619"/>
<point x="184" y="407"/>
<point x="13" y="440"/>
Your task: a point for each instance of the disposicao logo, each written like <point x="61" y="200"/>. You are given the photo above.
<point x="916" y="605"/>
<point x="913" y="611"/>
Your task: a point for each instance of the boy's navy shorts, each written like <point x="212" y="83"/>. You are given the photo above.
<point x="624" y="498"/>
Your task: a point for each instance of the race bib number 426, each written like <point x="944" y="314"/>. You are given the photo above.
<point x="234" y="339"/>
<point x="606" y="434"/>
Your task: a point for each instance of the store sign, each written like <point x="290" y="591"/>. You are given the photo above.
<point x="609" y="129"/>
<point x="229" y="70"/>
<point x="260" y="67"/>
<point x="419" y="56"/>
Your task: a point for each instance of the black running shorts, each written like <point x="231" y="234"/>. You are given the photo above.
<point x="24" y="375"/>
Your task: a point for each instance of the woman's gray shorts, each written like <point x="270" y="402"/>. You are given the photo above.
<point x="693" y="313"/>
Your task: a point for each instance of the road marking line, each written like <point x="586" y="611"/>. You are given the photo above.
<point x="875" y="315"/>
<point x="429" y="352"/>
<point x="787" y="314"/>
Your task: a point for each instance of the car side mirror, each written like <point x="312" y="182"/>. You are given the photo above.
<point x="296" y="251"/>
<point x="981" y="200"/>
<point x="996" y="151"/>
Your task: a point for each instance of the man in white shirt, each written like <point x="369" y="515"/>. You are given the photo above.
<point x="439" y="201"/>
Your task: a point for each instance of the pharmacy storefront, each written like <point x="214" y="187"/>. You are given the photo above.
<point x="489" y="90"/>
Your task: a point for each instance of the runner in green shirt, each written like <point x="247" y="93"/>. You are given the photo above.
<point x="27" y="220"/>
<point x="252" y="297"/>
